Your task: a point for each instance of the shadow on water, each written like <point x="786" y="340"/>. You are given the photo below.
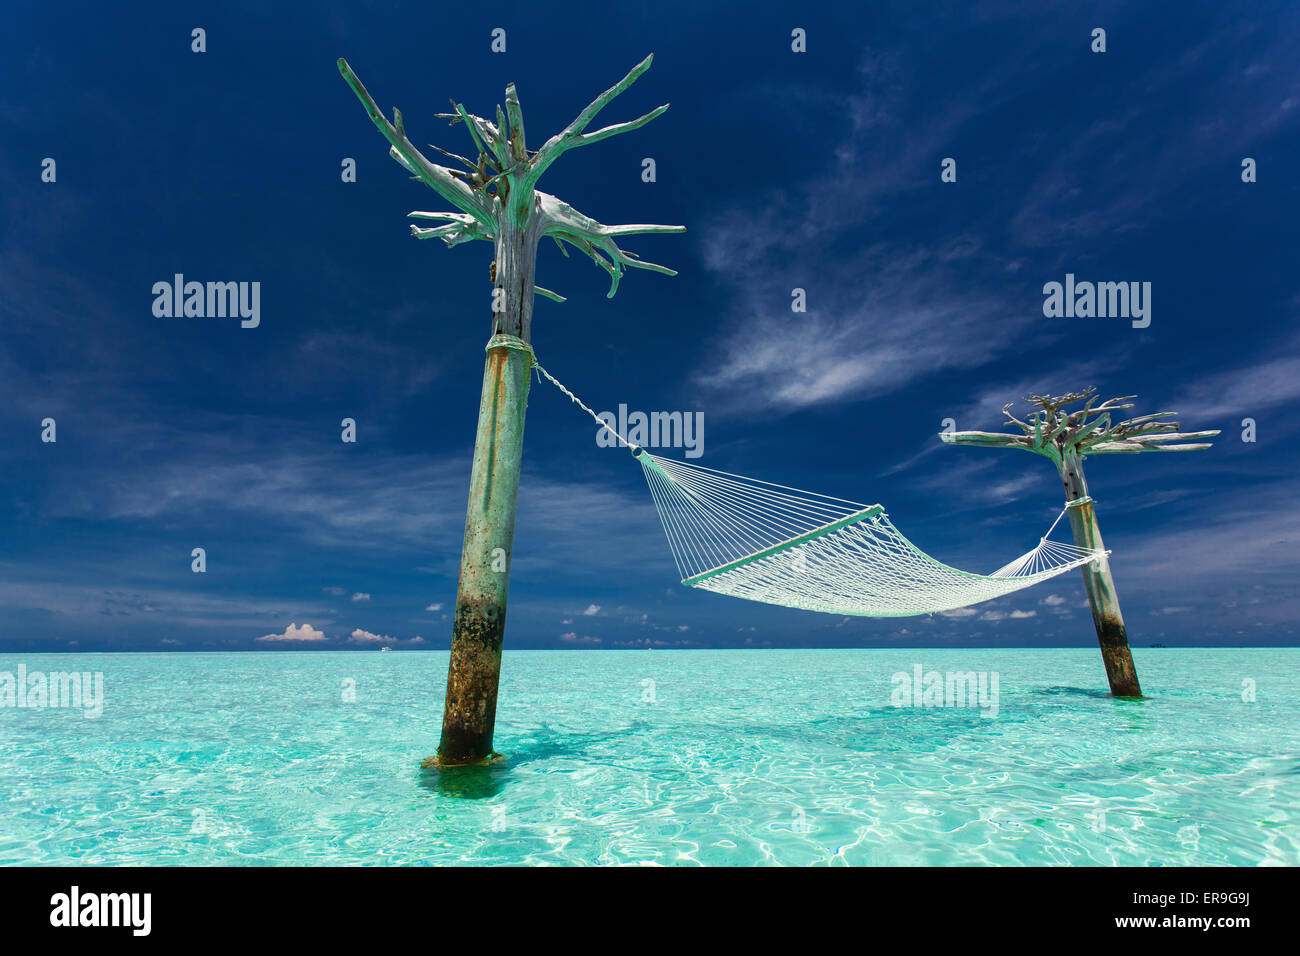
<point x="466" y="783"/>
<point x="550" y="744"/>
<point x="481" y="783"/>
<point x="1089" y="692"/>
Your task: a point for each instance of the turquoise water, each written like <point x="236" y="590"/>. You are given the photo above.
<point x="728" y="757"/>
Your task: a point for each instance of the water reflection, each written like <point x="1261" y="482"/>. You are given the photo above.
<point x="466" y="783"/>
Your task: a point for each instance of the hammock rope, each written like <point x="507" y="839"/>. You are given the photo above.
<point x="761" y="541"/>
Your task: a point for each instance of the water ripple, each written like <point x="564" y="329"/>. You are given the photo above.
<point x="733" y="758"/>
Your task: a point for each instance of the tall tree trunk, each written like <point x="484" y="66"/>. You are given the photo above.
<point x="1097" y="580"/>
<point x="469" y="716"/>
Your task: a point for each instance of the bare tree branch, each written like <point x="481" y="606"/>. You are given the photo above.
<point x="571" y="135"/>
<point x="1113" y="403"/>
<point x="1130" y="447"/>
<point x="563" y="222"/>
<point x="497" y="195"/>
<point x="462" y="228"/>
<point x="992" y="439"/>
<point x="518" y="151"/>
<point x="438" y="178"/>
<point x="1055" y="433"/>
<point x="1154" y="440"/>
<point x="476" y="127"/>
<point x="472" y="167"/>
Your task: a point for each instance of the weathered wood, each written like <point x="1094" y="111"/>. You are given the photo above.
<point x="1107" y="619"/>
<point x="512" y="191"/>
<point x="499" y="202"/>
<point x="572" y="136"/>
<point x="478" y="628"/>
<point x="1066" y="438"/>
<point x="986" y="438"/>
<point x="437" y="177"/>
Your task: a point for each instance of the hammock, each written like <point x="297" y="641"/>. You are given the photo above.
<point x="766" y="542"/>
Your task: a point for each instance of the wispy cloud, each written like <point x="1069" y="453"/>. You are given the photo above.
<point x="1226" y="397"/>
<point x="89" y="607"/>
<point x="1145" y="163"/>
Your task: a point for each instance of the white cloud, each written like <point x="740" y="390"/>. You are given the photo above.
<point x="336" y="591"/>
<point x="572" y="638"/>
<point x="361" y="636"/>
<point x="592" y="610"/>
<point x="1053" y="600"/>
<point x="360" y="597"/>
<point x="434" y="607"/>
<point x="960" y="612"/>
<point x="1020" y="615"/>
<point x="291" y="633"/>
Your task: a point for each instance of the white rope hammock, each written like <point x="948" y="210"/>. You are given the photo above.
<point x="766" y="542"/>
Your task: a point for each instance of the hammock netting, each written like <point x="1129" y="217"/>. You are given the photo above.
<point x="765" y="542"/>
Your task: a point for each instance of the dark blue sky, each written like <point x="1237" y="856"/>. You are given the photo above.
<point x="818" y="170"/>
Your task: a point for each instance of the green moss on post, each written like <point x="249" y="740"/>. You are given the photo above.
<point x="478" y="629"/>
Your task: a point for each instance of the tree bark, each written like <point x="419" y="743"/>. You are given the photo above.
<point x="469" y="716"/>
<point x="1097" y="580"/>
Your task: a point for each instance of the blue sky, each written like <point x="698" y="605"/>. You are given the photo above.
<point x="816" y="170"/>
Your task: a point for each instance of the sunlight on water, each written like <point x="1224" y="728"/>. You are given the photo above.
<point x="659" y="757"/>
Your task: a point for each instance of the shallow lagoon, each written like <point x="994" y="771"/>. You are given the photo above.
<point x="660" y="757"/>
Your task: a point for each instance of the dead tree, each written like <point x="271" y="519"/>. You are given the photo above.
<point x="1067" y="437"/>
<point x="498" y="201"/>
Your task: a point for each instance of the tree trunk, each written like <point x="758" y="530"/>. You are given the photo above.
<point x="469" y="715"/>
<point x="1097" y="580"/>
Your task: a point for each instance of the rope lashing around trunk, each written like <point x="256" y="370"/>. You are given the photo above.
<point x="766" y="542"/>
<point x="503" y="340"/>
